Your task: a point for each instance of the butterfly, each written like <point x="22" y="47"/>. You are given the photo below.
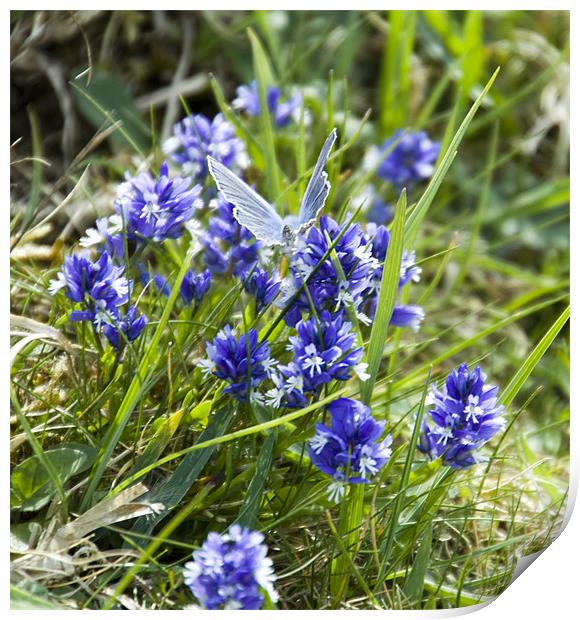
<point x="260" y="217"/>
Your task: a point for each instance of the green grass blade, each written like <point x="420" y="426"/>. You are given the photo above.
<point x="253" y="498"/>
<point x="395" y="73"/>
<point x="387" y="545"/>
<point x="413" y="587"/>
<point x="473" y="54"/>
<point x="265" y="78"/>
<point x="526" y="369"/>
<point x="387" y="296"/>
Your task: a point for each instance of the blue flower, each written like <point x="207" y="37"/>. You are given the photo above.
<point x="324" y="350"/>
<point x="327" y="288"/>
<point x="380" y="212"/>
<point x="349" y="451"/>
<point x="231" y="571"/>
<point x="157" y="208"/>
<point x="229" y="357"/>
<point x="411" y="160"/>
<point x="228" y="246"/>
<point x="403" y="315"/>
<point x="196" y="137"/>
<point x="99" y="287"/>
<point x="262" y="287"/>
<point x="124" y="329"/>
<point x="195" y="286"/>
<point x="157" y="279"/>
<point x="248" y="100"/>
<point x="464" y="415"/>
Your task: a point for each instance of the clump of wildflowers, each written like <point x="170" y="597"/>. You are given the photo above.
<point x="157" y="209"/>
<point x="411" y="160"/>
<point x="248" y="100"/>
<point x="349" y="451"/>
<point x="261" y="286"/>
<point x="228" y="246"/>
<point x="231" y="571"/>
<point x="464" y="415"/>
<point x="361" y="258"/>
<point x="238" y="359"/>
<point x="99" y="289"/>
<point x="324" y="350"/>
<point x="196" y="137"/>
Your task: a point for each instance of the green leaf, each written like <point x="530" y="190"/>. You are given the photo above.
<point x="30" y="484"/>
<point x="387" y="296"/>
<point x="254" y="494"/>
<point x="413" y="587"/>
<point x="21" y="599"/>
<point x="174" y="488"/>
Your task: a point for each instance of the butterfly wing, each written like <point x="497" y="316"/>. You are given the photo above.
<point x="318" y="187"/>
<point x="250" y="209"/>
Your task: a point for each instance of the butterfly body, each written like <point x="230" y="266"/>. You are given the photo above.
<point x="260" y="217"/>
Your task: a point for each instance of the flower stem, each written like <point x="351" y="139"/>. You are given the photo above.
<point x="350" y="519"/>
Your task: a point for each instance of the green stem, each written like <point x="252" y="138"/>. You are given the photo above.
<point x="350" y="520"/>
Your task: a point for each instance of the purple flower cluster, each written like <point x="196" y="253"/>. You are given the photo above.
<point x="231" y="571"/>
<point x="357" y="283"/>
<point x="99" y="289"/>
<point x="327" y="288"/>
<point x="411" y="160"/>
<point x="237" y="360"/>
<point x="157" y="209"/>
<point x="196" y="137"/>
<point x="324" y="350"/>
<point x="349" y="451"/>
<point x="228" y="246"/>
<point x="261" y="286"/>
<point x="464" y="415"/>
<point x="248" y="100"/>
